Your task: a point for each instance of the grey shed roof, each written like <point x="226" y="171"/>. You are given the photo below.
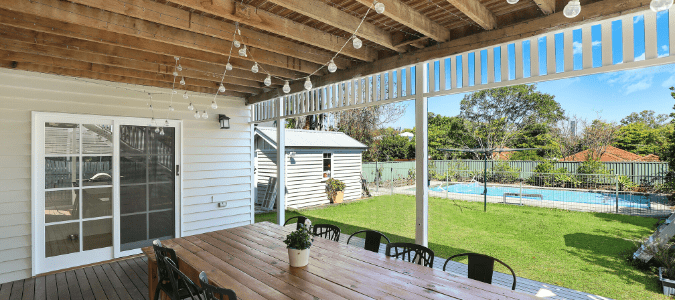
<point x="299" y="138"/>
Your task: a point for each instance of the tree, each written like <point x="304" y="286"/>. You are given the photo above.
<point x="536" y="135"/>
<point x="641" y="139"/>
<point x="597" y="136"/>
<point x="495" y="116"/>
<point x="393" y="146"/>
<point x="446" y="132"/>
<point x="567" y="137"/>
<point x="647" y="117"/>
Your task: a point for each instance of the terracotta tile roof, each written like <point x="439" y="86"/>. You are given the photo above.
<point x="612" y="154"/>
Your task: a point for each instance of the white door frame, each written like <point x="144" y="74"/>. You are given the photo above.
<point x="39" y="264"/>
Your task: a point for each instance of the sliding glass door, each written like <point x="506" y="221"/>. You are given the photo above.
<point x="103" y="188"/>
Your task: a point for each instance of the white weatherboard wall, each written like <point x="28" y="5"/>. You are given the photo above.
<point x="217" y="164"/>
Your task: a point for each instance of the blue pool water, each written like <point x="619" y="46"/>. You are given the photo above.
<point x="609" y="198"/>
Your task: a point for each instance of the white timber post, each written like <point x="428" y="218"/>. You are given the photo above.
<point x="281" y="164"/>
<point x="421" y="160"/>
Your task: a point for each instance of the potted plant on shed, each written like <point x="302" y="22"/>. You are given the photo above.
<point x="298" y="243"/>
<point x="335" y="190"/>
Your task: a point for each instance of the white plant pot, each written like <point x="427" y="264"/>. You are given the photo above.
<point x="298" y="258"/>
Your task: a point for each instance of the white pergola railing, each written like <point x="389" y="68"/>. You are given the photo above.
<point x="586" y="49"/>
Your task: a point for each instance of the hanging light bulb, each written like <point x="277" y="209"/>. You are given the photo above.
<point x="197" y="115"/>
<point x="174" y="92"/>
<point x="379" y="7"/>
<point x="254" y="69"/>
<point x="152" y="121"/>
<point x="214" y="105"/>
<point x="221" y="88"/>
<point x="268" y="80"/>
<point x="660" y="5"/>
<point x="205" y="115"/>
<point x="175" y="74"/>
<point x="150" y="107"/>
<point x="185" y="96"/>
<point x="182" y="81"/>
<point x="308" y="84"/>
<point x="156" y="129"/>
<point x="572" y="9"/>
<point x="170" y="108"/>
<point x="237" y="44"/>
<point x="161" y="132"/>
<point x="287" y="87"/>
<point x="179" y="68"/>
<point x="511" y="1"/>
<point x="332" y="67"/>
<point x="228" y="67"/>
<point x="357" y="42"/>
<point x="191" y="107"/>
<point x="242" y="51"/>
<point x="166" y="123"/>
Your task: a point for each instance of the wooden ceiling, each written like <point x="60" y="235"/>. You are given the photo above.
<point x="135" y="41"/>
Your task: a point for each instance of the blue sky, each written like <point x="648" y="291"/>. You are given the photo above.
<point x="611" y="96"/>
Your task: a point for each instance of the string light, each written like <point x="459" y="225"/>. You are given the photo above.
<point x="156" y="129"/>
<point x="185" y="96"/>
<point x="166" y="123"/>
<point x="182" y="81"/>
<point x="191" y="107"/>
<point x="221" y="88"/>
<point x="196" y="115"/>
<point x="268" y="80"/>
<point x="214" y="105"/>
<point x="242" y="51"/>
<point x="228" y="67"/>
<point x="660" y="5"/>
<point x="170" y="108"/>
<point x="236" y="44"/>
<point x="254" y="69"/>
<point x="286" y="88"/>
<point x="175" y="73"/>
<point x="161" y="132"/>
<point x="511" y="1"/>
<point x="379" y="7"/>
<point x="357" y="42"/>
<point x="332" y="67"/>
<point x="173" y="92"/>
<point x="308" y="84"/>
<point x="179" y="68"/>
<point x="573" y="8"/>
<point x="205" y="115"/>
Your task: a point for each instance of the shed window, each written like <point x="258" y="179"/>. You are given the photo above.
<point x="327" y="165"/>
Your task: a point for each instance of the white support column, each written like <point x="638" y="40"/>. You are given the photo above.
<point x="550" y="54"/>
<point x="453" y="72"/>
<point x="534" y="57"/>
<point x="519" y="59"/>
<point x="281" y="166"/>
<point x="607" y="57"/>
<point x="504" y="56"/>
<point x="490" y="65"/>
<point x="465" y="70"/>
<point x="587" y="47"/>
<point x="441" y="74"/>
<point x="650" y="35"/>
<point x="421" y="161"/>
<point x="671" y="30"/>
<point x="628" y="37"/>
<point x="478" y="70"/>
<point x="568" y="48"/>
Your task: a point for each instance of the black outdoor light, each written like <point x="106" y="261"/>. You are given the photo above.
<point x="224" y="121"/>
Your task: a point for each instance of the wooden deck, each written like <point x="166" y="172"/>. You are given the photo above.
<point x="128" y="279"/>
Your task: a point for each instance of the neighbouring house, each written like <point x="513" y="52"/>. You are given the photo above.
<point x="312" y="157"/>
<point x="408" y="135"/>
<point x="613" y="154"/>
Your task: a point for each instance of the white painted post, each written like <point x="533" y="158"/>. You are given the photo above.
<point x="550" y="54"/>
<point x="607" y="59"/>
<point x="281" y="165"/>
<point x="628" y="37"/>
<point x="490" y="65"/>
<point x="587" y="47"/>
<point x="650" y="35"/>
<point x="534" y="57"/>
<point x="421" y="161"/>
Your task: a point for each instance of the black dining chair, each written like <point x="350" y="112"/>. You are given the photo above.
<point x="327" y="231"/>
<point x="213" y="292"/>
<point x="481" y="267"/>
<point x="299" y="220"/>
<point x="373" y="239"/>
<point x="181" y="285"/>
<point x="164" y="276"/>
<point x="411" y="253"/>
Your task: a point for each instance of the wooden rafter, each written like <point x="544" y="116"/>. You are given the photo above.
<point x="340" y="19"/>
<point x="546" y="6"/>
<point x="175" y="17"/>
<point x="235" y="11"/>
<point x="404" y="14"/>
<point x="116" y="23"/>
<point x="35" y="23"/>
<point x="477" y="12"/>
<point x="591" y="13"/>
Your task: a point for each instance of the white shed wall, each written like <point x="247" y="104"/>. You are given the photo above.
<point x="217" y="164"/>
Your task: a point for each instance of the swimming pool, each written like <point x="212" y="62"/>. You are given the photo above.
<point x="587" y="197"/>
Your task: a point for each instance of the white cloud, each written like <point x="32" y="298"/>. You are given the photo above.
<point x="640" y="57"/>
<point x="669" y="82"/>
<point x="576" y="48"/>
<point x="638" y="19"/>
<point x="665" y="48"/>
<point x="597" y="43"/>
<point x="641" y="85"/>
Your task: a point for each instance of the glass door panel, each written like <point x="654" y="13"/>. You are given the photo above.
<point x="147" y="185"/>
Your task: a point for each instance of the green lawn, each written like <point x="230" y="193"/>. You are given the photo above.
<point x="576" y="250"/>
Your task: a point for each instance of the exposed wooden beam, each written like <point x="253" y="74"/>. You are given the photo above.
<point x="245" y="14"/>
<point x="107" y="77"/>
<point x="546" y="6"/>
<point x="591" y="13"/>
<point x="406" y="15"/>
<point x="337" y="18"/>
<point x="175" y="17"/>
<point x="95" y="58"/>
<point x="67" y="47"/>
<point x="122" y="41"/>
<point x="116" y="23"/>
<point x="44" y="60"/>
<point x="477" y="12"/>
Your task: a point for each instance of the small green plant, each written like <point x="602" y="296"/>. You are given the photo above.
<point x="300" y="239"/>
<point x="625" y="184"/>
<point x="333" y="186"/>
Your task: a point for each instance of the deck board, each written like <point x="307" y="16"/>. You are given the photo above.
<point x="128" y="279"/>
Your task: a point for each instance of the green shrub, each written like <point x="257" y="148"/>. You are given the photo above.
<point x="625" y="184"/>
<point x="300" y="239"/>
<point x="502" y="172"/>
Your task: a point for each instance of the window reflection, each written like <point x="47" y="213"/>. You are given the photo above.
<point x="96" y="170"/>
<point x="62" y="205"/>
<point x="62" y="138"/>
<point x="62" y="239"/>
<point x="61" y="172"/>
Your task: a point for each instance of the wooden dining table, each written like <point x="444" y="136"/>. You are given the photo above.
<point x="252" y="260"/>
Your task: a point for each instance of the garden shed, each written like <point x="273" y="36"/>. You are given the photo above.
<point x="312" y="157"/>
